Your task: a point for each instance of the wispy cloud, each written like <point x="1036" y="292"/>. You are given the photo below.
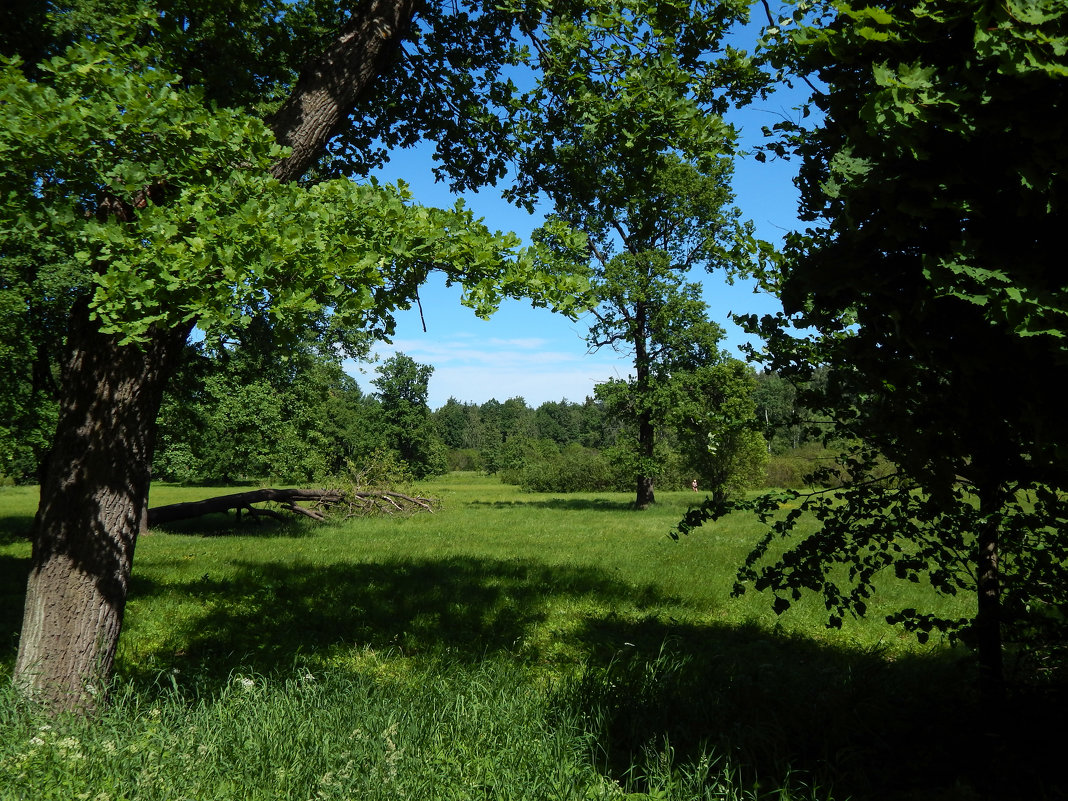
<point x="473" y="370"/>
<point x="524" y="344"/>
<point x="535" y="386"/>
<point x="457" y="351"/>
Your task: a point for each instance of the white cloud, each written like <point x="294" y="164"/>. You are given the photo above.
<point x="475" y="370"/>
<point x="535" y="384"/>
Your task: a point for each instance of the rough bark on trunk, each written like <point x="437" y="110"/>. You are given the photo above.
<point x="330" y="85"/>
<point x="94" y="492"/>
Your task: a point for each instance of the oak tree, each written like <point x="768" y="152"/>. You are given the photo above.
<point x="174" y="166"/>
<point x="625" y="137"/>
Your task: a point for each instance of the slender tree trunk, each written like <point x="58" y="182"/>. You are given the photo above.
<point x="992" y="702"/>
<point x="646" y="443"/>
<point x="646" y="431"/>
<point x="988" y="615"/>
<point x="94" y="494"/>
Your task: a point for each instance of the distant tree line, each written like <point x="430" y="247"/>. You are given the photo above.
<point x="262" y="409"/>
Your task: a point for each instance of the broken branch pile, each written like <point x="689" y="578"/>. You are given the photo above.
<point x="313" y="503"/>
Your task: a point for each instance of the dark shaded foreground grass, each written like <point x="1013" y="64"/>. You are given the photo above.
<point x="375" y="669"/>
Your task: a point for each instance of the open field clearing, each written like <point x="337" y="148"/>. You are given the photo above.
<point x="511" y="645"/>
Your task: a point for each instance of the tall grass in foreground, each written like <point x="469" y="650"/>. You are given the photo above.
<point x="327" y="736"/>
<point x="511" y="646"/>
<point x="442" y="733"/>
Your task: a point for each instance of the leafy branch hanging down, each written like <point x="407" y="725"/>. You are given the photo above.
<point x="934" y="292"/>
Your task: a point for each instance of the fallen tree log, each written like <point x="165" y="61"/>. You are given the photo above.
<point x="316" y="503"/>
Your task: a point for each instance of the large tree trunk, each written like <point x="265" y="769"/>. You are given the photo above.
<point x="96" y="486"/>
<point x="93" y="496"/>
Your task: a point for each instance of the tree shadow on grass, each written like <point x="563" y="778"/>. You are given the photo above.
<point x="15" y="528"/>
<point x="231" y="525"/>
<point x="269" y="614"/>
<point x="863" y="724"/>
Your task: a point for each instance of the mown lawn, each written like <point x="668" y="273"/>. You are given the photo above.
<point x="510" y="645"/>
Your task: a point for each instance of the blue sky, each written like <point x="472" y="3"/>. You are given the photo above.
<point x="534" y="353"/>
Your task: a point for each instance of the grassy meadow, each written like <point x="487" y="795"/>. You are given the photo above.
<point x="509" y="646"/>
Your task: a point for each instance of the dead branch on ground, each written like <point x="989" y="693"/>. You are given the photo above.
<point x="316" y="504"/>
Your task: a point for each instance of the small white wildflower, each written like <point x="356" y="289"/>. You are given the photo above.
<point x="36" y="741"/>
<point x="154" y="712"/>
<point x="393" y="753"/>
<point x="247" y="683"/>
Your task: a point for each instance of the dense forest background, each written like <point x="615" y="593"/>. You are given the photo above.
<point x="244" y="413"/>
<point x="260" y="411"/>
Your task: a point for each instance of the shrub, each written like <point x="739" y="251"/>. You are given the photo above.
<point x="792" y="470"/>
<point x="671" y="471"/>
<point x="383" y="468"/>
<point x="509" y="458"/>
<point x="575" y="469"/>
<point x="464" y="459"/>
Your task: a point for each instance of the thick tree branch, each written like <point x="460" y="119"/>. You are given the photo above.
<point x="330" y="85"/>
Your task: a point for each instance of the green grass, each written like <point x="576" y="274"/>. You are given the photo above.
<point x="511" y="646"/>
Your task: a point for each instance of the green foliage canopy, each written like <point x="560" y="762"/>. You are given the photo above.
<point x="717" y="428"/>
<point x="930" y="285"/>
<point x="938" y="179"/>
<point x="263" y="409"/>
<point x="195" y="228"/>
<point x="624" y="134"/>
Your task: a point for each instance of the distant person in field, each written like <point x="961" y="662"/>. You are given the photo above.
<point x="693" y="484"/>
